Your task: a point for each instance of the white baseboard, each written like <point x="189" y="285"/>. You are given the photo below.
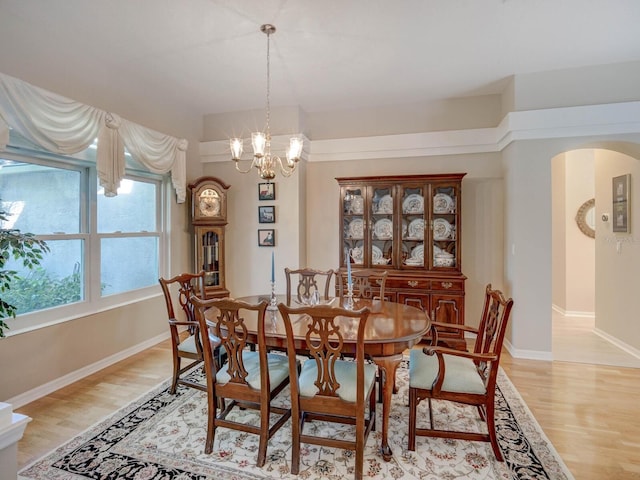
<point x="618" y="343"/>
<point x="42" y="390"/>
<point x="527" y="354"/>
<point x="571" y="313"/>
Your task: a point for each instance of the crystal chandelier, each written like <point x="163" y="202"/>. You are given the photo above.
<point x="263" y="160"/>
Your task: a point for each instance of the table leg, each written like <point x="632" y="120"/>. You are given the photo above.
<point x="388" y="365"/>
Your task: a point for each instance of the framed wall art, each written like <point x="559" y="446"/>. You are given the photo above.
<point x="266" y="191"/>
<point x="267" y="214"/>
<point x="621" y="203"/>
<point x="266" y="238"/>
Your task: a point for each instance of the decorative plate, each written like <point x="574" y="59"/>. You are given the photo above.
<point x="414" y="203"/>
<point x="356" y="205"/>
<point x="441" y="229"/>
<point x="443" y="203"/>
<point x="383" y="229"/>
<point x="385" y="205"/>
<point x="418" y="252"/>
<point x="416" y="229"/>
<point x="376" y="256"/>
<point x="356" y="228"/>
<point x="357" y="253"/>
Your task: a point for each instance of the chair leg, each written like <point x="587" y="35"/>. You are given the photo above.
<point x="359" y="456"/>
<point x="412" y="419"/>
<point x="491" y="427"/>
<point x="211" y="425"/>
<point x="372" y="408"/>
<point x="176" y="374"/>
<point x="264" y="434"/>
<point x="296" y="431"/>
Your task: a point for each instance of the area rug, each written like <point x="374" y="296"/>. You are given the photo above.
<point x="161" y="436"/>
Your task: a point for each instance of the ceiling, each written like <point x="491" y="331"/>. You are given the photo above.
<point x="209" y="56"/>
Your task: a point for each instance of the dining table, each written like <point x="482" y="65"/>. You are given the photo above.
<point x="391" y="329"/>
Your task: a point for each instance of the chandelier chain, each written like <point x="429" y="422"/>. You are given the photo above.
<point x="268" y="82"/>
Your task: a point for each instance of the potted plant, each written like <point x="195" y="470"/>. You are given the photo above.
<point x="19" y="246"/>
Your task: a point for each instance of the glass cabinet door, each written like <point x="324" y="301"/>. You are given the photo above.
<point x="381" y="233"/>
<point x="444" y="226"/>
<point x="353" y="225"/>
<point x="413" y="227"/>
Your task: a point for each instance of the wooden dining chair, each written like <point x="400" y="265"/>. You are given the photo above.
<point x="367" y="283"/>
<point x="302" y="283"/>
<point x="329" y="388"/>
<point x="442" y="373"/>
<point x="247" y="379"/>
<point x="185" y="341"/>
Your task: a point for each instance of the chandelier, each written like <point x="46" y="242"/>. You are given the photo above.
<point x="263" y="160"/>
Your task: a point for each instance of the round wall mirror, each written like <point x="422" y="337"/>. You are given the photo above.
<point x="586" y="218"/>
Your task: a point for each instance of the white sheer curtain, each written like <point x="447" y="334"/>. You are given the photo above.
<point x="61" y="125"/>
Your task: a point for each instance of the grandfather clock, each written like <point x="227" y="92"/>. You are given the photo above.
<point x="209" y="218"/>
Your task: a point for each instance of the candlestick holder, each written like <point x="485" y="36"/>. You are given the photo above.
<point x="273" y="303"/>
<point x="349" y="297"/>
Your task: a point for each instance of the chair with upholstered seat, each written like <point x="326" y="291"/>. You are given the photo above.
<point x="367" y="283"/>
<point x="329" y="388"/>
<point x="185" y="341"/>
<point x="307" y="281"/>
<point x="247" y="379"/>
<point x="440" y="373"/>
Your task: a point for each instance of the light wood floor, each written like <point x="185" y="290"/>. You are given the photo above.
<point x="589" y="412"/>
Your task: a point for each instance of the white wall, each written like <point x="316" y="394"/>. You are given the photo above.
<point x="580" y="249"/>
<point x="558" y="233"/>
<point x="618" y="254"/>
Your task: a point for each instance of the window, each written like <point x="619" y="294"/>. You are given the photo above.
<point x="129" y="237"/>
<point x="103" y="250"/>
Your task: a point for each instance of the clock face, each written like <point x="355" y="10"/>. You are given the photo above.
<point x="209" y="203"/>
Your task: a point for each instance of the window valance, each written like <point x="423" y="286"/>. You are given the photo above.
<point x="65" y="126"/>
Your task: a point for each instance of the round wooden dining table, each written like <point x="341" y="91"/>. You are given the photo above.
<point x="391" y="329"/>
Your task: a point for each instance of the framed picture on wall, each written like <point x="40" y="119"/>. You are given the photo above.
<point x="266" y="238"/>
<point x="267" y="214"/>
<point x="621" y="203"/>
<point x="266" y="191"/>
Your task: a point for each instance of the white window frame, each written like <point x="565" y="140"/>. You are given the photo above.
<point x="93" y="302"/>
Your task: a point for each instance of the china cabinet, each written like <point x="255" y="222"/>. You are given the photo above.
<point x="209" y="218"/>
<point x="410" y="226"/>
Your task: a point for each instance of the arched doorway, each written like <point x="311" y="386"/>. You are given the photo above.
<point x="591" y="319"/>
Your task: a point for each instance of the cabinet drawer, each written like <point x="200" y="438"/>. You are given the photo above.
<point x="408" y="283"/>
<point x="447" y="285"/>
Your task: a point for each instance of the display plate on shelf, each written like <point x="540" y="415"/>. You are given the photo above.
<point x="356" y="205"/>
<point x="441" y="229"/>
<point x="418" y="252"/>
<point x="357" y="253"/>
<point x="383" y="229"/>
<point x="414" y="203"/>
<point x="385" y="205"/>
<point x="377" y="257"/>
<point x="443" y="203"/>
<point x="416" y="229"/>
<point x="417" y="256"/>
<point x="356" y="228"/>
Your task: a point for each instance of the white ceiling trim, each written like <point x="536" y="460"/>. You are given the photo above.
<point x="588" y="120"/>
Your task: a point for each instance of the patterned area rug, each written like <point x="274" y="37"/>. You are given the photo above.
<point x="161" y="437"/>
